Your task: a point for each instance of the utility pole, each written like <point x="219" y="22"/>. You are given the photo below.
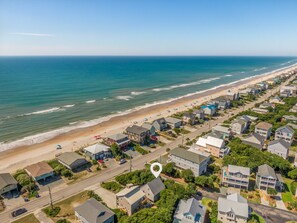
<point x="51" y="199"/>
<point x="130" y="167"/>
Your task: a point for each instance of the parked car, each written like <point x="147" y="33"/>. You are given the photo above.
<point x="18" y="212"/>
<point x="59" y="147"/>
<point x="122" y="161"/>
<point x="101" y="161"/>
<point x="26" y="199"/>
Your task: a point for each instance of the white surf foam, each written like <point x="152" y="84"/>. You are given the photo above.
<point x="125" y="98"/>
<point x="138" y="92"/>
<point x="90" y="101"/>
<point x="38" y="138"/>
<point x="50" y="110"/>
<point x="68" y="106"/>
<point x="228" y="75"/>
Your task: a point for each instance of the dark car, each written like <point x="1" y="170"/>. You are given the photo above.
<point x="18" y="212"/>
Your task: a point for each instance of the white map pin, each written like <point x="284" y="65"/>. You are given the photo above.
<point x="154" y="172"/>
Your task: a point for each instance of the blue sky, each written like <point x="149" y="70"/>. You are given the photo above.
<point x="148" y="27"/>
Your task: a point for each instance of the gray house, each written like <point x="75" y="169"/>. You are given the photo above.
<point x="7" y="183"/>
<point x="160" y="124"/>
<point x="72" y="160"/>
<point x="199" y="113"/>
<point x="93" y="211"/>
<point x="263" y="129"/>
<point x="236" y="176"/>
<point x="185" y="159"/>
<point x="150" y="127"/>
<point x="189" y="118"/>
<point x="239" y="125"/>
<point x="279" y="147"/>
<point x="254" y="140"/>
<point x="97" y="151"/>
<point x="267" y="178"/>
<point x="286" y="133"/>
<point x="190" y="211"/>
<point x="233" y="208"/>
<point x="173" y="122"/>
<point x="138" y="134"/>
<point x="153" y="189"/>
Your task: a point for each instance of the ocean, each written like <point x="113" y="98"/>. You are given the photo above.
<point x="52" y="95"/>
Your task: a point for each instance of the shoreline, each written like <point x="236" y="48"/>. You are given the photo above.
<point x="19" y="157"/>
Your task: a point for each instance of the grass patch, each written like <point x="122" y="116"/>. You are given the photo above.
<point x="27" y="219"/>
<point x="112" y="186"/>
<point x="252" y="196"/>
<point x="207" y="202"/>
<point x="287" y="195"/>
<point x="257" y="218"/>
<point x="141" y="150"/>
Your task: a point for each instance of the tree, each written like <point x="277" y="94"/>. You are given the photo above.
<point x="204" y="181"/>
<point x="169" y="169"/>
<point x="190" y="190"/>
<point x="188" y="175"/>
<point x="271" y="191"/>
<point x="213" y="215"/>
<point x="293" y="174"/>
<point x="115" y="150"/>
<point x="24" y="179"/>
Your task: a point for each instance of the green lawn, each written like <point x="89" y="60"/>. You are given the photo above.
<point x="257" y="217"/>
<point x="287" y="195"/>
<point x="206" y="202"/>
<point x="27" y="219"/>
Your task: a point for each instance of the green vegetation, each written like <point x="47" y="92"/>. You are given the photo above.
<point x="112" y="186"/>
<point x="205" y="181"/>
<point x="27" y="183"/>
<point x="60" y="169"/>
<point x="169" y="169"/>
<point x="138" y="177"/>
<point x="255" y="218"/>
<point x="213" y="215"/>
<point x="247" y="156"/>
<point x="27" y="219"/>
<point x="271" y="191"/>
<point x="63" y="221"/>
<point x="52" y="212"/>
<point x="141" y="150"/>
<point x="188" y="175"/>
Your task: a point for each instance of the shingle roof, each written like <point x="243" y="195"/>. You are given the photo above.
<point x="264" y="125"/>
<point x="147" y="125"/>
<point x="220" y="128"/>
<point x="132" y="194"/>
<point x="6" y="179"/>
<point x="39" y="169"/>
<point x="97" y="148"/>
<point x="234" y="203"/>
<point x="285" y="128"/>
<point x="255" y="140"/>
<point x="118" y="136"/>
<point x="265" y="170"/>
<point x="172" y="120"/>
<point x="210" y="140"/>
<point x="71" y="157"/>
<point x="136" y="129"/>
<point x="93" y="211"/>
<point x="241" y="169"/>
<point x="281" y="142"/>
<point x="184" y="154"/>
<point x="192" y="206"/>
<point x="156" y="186"/>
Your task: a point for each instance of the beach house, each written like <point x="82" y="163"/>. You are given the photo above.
<point x="189" y="118"/>
<point x="239" y="125"/>
<point x="212" y="145"/>
<point x="119" y="139"/>
<point x="263" y="129"/>
<point x="199" y="113"/>
<point x="234" y="208"/>
<point x="92" y="211"/>
<point x="294" y="108"/>
<point x="267" y="178"/>
<point x="260" y="110"/>
<point x="97" y="151"/>
<point x="290" y="90"/>
<point x="40" y="171"/>
<point x="153" y="189"/>
<point x="286" y="133"/>
<point x="130" y="199"/>
<point x="190" y="211"/>
<point x="160" y="124"/>
<point x="7" y="184"/>
<point x="150" y="127"/>
<point x="189" y="160"/>
<point x="254" y="140"/>
<point x="221" y="102"/>
<point x="72" y="160"/>
<point x="225" y="131"/>
<point x="290" y="118"/>
<point x="267" y="105"/>
<point x="236" y="176"/>
<point x="279" y="147"/>
<point x="209" y="110"/>
<point x="276" y="100"/>
<point x="173" y="122"/>
<point x="138" y="134"/>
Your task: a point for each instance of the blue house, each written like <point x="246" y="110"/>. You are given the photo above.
<point x="209" y="109"/>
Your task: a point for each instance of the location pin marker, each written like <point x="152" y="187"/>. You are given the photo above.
<point x="154" y="172"/>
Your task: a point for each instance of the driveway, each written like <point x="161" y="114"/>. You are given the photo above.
<point x="279" y="202"/>
<point x="107" y="196"/>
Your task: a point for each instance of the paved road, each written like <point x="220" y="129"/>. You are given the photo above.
<point x="138" y="163"/>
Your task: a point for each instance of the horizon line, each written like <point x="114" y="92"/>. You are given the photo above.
<point x="86" y="55"/>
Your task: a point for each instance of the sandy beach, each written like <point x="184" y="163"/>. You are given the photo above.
<point x="20" y="157"/>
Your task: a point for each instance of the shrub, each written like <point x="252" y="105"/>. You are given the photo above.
<point x="66" y="173"/>
<point x="63" y="221"/>
<point x="112" y="186"/>
<point x="92" y="194"/>
<point x="139" y="149"/>
<point x="52" y="212"/>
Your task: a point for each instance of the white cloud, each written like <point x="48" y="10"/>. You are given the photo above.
<point x="33" y="34"/>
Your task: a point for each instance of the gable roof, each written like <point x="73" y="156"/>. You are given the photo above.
<point x="234" y="203"/>
<point x="191" y="206"/>
<point x="280" y="142"/>
<point x="241" y="169"/>
<point x="264" y="125"/>
<point x="156" y="186"/>
<point x="6" y="179"/>
<point x="285" y="129"/>
<point x="160" y="121"/>
<point x="267" y="171"/>
<point x="135" y="129"/>
<point x="147" y="125"/>
<point x="255" y="140"/>
<point x="39" y="169"/>
<point x="97" y="148"/>
<point x="132" y="194"/>
<point x="118" y="136"/>
<point x="172" y="120"/>
<point x="69" y="158"/>
<point x="185" y="154"/>
<point x="93" y="211"/>
<point x="220" y="128"/>
<point x="210" y="140"/>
